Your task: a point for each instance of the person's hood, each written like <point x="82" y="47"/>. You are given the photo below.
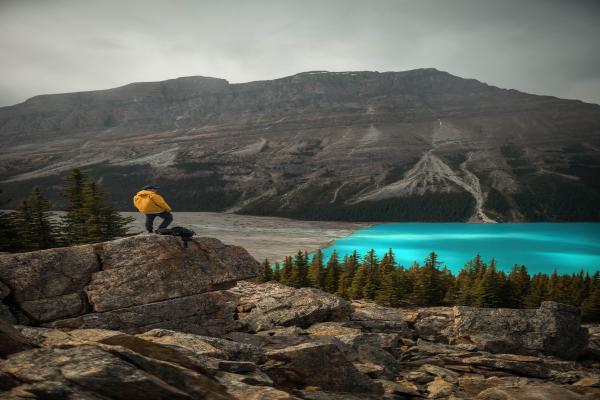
<point x="145" y="193"/>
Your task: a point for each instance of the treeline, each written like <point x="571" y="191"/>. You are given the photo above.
<point x="435" y="207"/>
<point x="478" y="284"/>
<point x="88" y="219"/>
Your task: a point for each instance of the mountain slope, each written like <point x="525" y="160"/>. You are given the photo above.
<point x="414" y="145"/>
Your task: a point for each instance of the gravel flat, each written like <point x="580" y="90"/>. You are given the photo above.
<point x="264" y="237"/>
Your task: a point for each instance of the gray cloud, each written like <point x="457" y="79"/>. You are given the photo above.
<point x="538" y="46"/>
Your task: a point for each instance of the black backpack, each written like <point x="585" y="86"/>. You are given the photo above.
<point x="184" y="233"/>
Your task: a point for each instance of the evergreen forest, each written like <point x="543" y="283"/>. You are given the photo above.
<point x="478" y="284"/>
<point x="89" y="218"/>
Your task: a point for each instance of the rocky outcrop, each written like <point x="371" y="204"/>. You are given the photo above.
<point x="131" y="284"/>
<point x="222" y="339"/>
<point x="553" y="329"/>
<point x="266" y="306"/>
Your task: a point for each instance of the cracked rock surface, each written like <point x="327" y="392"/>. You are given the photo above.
<point x="243" y="340"/>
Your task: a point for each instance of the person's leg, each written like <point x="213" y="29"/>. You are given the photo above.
<point x="167" y="219"/>
<point x="150" y="222"/>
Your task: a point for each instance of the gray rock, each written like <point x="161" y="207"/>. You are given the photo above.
<point x="439" y="388"/>
<point x="102" y="374"/>
<point x="210" y="346"/>
<point x="48" y="273"/>
<point x="50" y="309"/>
<point x="316" y="364"/>
<point x="47" y="284"/>
<point x="147" y="269"/>
<point x="209" y="314"/>
<point x="135" y="283"/>
<point x="274" y="305"/>
<point x="399" y="388"/>
<point x="445" y="374"/>
<point x="535" y="391"/>
<point x="6" y="314"/>
<point x="367" y="349"/>
<point x="320" y="395"/>
<point x="524" y="368"/>
<point x="434" y="326"/>
<point x="332" y="329"/>
<point x="371" y="317"/>
<point x="553" y="329"/>
<point x="11" y="340"/>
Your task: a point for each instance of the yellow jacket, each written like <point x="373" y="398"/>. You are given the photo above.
<point x="147" y="201"/>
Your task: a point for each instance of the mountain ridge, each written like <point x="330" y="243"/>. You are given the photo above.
<point x="319" y="145"/>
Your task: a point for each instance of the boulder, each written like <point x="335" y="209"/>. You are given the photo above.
<point x="434" y="325"/>
<point x="316" y="364"/>
<point x="374" y="318"/>
<point x="48" y="273"/>
<point x="553" y="329"/>
<point x="157" y="268"/>
<point x="332" y="329"/>
<point x="524" y="368"/>
<point x="206" y="345"/>
<point x="271" y="305"/>
<point x="135" y="283"/>
<point x="5" y="313"/>
<point x="439" y="388"/>
<point x="209" y="313"/>
<point x="48" y="284"/>
<point x="11" y="340"/>
<point x="101" y="374"/>
<point x="534" y="391"/>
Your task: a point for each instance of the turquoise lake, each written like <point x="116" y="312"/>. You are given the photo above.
<point x="542" y="247"/>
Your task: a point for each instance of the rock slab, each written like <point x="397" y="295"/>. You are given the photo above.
<point x="553" y="329"/>
<point x="135" y="283"/>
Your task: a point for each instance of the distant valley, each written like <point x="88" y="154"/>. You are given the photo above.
<point x="419" y="145"/>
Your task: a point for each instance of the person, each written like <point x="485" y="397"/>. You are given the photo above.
<point x="153" y="205"/>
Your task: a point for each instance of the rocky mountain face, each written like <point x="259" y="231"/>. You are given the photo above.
<point x="146" y="318"/>
<point x="414" y="145"/>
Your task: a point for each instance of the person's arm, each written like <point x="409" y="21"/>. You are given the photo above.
<point x="160" y="201"/>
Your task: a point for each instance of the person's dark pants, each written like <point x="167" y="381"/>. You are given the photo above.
<point x="166" y="216"/>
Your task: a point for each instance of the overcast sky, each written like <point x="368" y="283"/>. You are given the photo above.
<point x="538" y="46"/>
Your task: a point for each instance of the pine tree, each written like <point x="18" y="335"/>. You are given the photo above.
<point x="277" y="272"/>
<point x="104" y="222"/>
<point x="34" y="224"/>
<point x="451" y="289"/>
<point x="266" y="273"/>
<point x="358" y="282"/>
<point x="590" y="309"/>
<point x="316" y="272"/>
<point x="74" y="221"/>
<point x="518" y="286"/>
<point x="429" y="287"/>
<point x="468" y="280"/>
<point x="537" y="291"/>
<point x="350" y="266"/>
<point x="9" y="236"/>
<point x="581" y="286"/>
<point x="557" y="288"/>
<point x="89" y="218"/>
<point x="371" y="284"/>
<point x="299" y="276"/>
<point x="9" y="240"/>
<point x="390" y="290"/>
<point x="332" y="273"/>
<point x="491" y="288"/>
<point x="286" y="271"/>
<point x="388" y="263"/>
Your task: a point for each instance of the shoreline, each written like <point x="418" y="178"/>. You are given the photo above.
<point x="272" y="238"/>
